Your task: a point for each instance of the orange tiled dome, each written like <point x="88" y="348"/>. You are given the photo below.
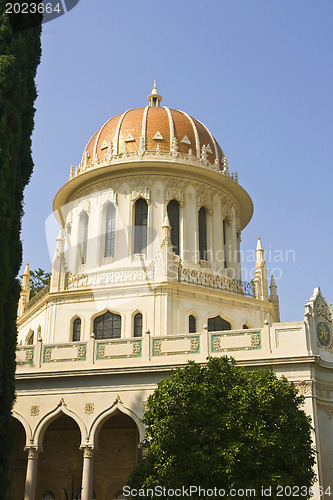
<point x="154" y="128"/>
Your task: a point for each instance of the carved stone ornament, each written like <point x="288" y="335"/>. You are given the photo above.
<point x="109" y="196"/>
<point x="174" y="194"/>
<point x="32" y="453"/>
<point x="144" y="405"/>
<point x="89" y="408"/>
<point x="141" y="192"/>
<point x="83" y="206"/>
<point x="323" y="319"/>
<point x="304" y="387"/>
<point x="34" y="411"/>
<point x="29" y="355"/>
<point x="194" y="344"/>
<point x="118" y="400"/>
<point x="88" y="452"/>
<point x="228" y="208"/>
<point x="205" y="200"/>
<point x="255" y="340"/>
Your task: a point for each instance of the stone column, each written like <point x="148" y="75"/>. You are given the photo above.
<point x="30" y="482"/>
<point x="87" y="473"/>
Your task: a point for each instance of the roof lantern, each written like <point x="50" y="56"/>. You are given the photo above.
<point x="154" y="98"/>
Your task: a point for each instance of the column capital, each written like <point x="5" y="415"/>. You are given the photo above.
<point x="33" y="452"/>
<point x="88" y="451"/>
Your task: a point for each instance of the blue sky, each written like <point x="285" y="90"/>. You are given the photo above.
<point x="258" y="73"/>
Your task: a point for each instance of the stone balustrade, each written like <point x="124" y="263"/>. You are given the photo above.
<point x="136" y="351"/>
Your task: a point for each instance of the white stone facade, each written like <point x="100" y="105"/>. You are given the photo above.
<point x="102" y="383"/>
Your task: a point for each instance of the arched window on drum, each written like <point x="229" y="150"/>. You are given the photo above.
<point x="107" y="326"/>
<point x="173" y="214"/>
<point x="218" y="324"/>
<point x="110" y="231"/>
<point x="202" y="223"/>
<point x="76" y="334"/>
<point x="140" y="223"/>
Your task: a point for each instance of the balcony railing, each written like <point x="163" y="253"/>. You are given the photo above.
<point x="36" y="298"/>
<point x="146" y="350"/>
<point x="214" y="281"/>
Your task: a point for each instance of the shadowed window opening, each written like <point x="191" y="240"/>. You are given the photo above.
<point x="107" y="326"/>
<point x="76" y="330"/>
<point x="202" y="234"/>
<point x="173" y="214"/>
<point x="218" y="324"/>
<point x="138" y="325"/>
<point x="110" y="231"/>
<point x="141" y="220"/>
<point x="191" y="324"/>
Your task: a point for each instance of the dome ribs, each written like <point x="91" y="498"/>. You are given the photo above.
<point x="197" y="151"/>
<point x="153" y="129"/>
<point x="183" y="128"/>
<point x="107" y="133"/>
<point x="205" y="139"/>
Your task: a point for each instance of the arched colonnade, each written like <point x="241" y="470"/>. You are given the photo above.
<point x="64" y="458"/>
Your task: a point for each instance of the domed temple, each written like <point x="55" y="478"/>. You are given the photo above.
<point x="146" y="276"/>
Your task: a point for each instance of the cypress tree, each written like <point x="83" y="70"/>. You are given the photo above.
<point x="20" y="53"/>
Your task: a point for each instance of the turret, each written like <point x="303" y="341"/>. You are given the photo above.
<point x="58" y="277"/>
<point x="274" y="298"/>
<point x="166" y="261"/>
<point x="260" y="279"/>
<point x="25" y="291"/>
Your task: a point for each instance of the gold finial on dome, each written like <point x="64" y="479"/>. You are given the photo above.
<point x="154" y="98"/>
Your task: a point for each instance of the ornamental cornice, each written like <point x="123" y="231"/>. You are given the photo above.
<point x="142" y="154"/>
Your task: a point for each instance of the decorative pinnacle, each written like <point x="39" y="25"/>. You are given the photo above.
<point x="259" y="245"/>
<point x="154" y="98"/>
<point x="166" y="223"/>
<point x="273" y="284"/>
<point x="26" y="271"/>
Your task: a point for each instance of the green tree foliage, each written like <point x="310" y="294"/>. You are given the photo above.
<point x="221" y="426"/>
<point x="19" y="56"/>
<point x="38" y="280"/>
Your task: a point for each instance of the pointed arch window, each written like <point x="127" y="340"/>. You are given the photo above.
<point x="245" y="327"/>
<point x="218" y="324"/>
<point x="202" y="234"/>
<point x="31" y="338"/>
<point x="138" y="325"/>
<point x="76" y="330"/>
<point x="141" y="221"/>
<point x="173" y="214"/>
<point x="84" y="221"/>
<point x="191" y="324"/>
<point x="110" y="230"/>
<point x="107" y="326"/>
